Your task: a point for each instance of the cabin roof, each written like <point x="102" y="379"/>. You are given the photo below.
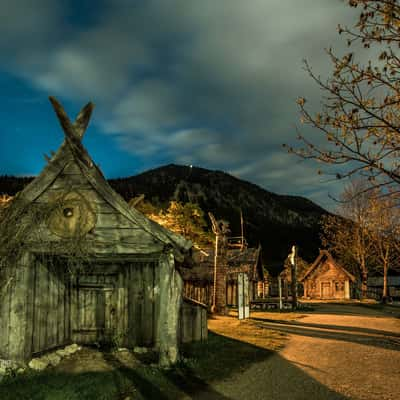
<point x="73" y="150"/>
<point x="245" y="260"/>
<point x="323" y="256"/>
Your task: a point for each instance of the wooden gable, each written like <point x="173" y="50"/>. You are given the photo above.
<point x="325" y="266"/>
<point x="71" y="172"/>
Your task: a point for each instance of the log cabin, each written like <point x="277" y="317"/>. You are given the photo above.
<point x="327" y="279"/>
<point x="77" y="264"/>
<point x="199" y="281"/>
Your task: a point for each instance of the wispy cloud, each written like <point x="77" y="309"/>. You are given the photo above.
<point x="207" y="83"/>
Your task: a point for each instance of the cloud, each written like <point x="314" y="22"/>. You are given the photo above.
<point x="207" y="83"/>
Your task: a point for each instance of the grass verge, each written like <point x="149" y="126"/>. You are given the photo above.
<point x="202" y="364"/>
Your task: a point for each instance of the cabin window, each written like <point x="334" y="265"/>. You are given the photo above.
<point x="339" y="286"/>
<point x="68" y="212"/>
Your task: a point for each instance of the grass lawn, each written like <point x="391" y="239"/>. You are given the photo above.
<point x="203" y="363"/>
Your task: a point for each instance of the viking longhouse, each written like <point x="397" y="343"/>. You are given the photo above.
<point x="79" y="265"/>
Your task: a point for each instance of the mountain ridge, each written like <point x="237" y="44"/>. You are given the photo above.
<point x="276" y="221"/>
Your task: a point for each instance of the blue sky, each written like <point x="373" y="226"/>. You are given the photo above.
<point x="209" y="83"/>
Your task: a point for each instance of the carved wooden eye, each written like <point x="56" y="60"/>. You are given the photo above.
<point x="72" y="216"/>
<point x="68" y="212"/>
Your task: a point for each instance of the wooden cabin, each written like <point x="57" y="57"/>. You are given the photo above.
<point x="199" y="281"/>
<point x="326" y="279"/>
<point x="79" y="265"/>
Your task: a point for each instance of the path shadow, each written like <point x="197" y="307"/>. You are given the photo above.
<point x="354" y="309"/>
<point x="303" y="330"/>
<point x="335" y="327"/>
<point x="219" y="369"/>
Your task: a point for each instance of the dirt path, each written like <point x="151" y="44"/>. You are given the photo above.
<point x="336" y="352"/>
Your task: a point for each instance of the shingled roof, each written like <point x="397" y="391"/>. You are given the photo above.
<point x="246" y="260"/>
<point x="322" y="256"/>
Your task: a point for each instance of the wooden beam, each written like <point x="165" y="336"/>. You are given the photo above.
<point x="82" y="120"/>
<point x="63" y="119"/>
<point x="73" y="137"/>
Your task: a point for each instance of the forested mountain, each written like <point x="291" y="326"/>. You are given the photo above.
<point x="273" y="220"/>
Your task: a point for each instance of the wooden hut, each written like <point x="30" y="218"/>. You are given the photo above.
<point x="326" y="279"/>
<point x="199" y="281"/>
<point x="79" y="265"/>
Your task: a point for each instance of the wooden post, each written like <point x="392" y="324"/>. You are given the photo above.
<point x="346" y="289"/>
<point x="292" y="257"/>
<point x="242" y="231"/>
<point x="243" y="296"/>
<point x="220" y="266"/>
<point x="280" y="292"/>
<point x="213" y="307"/>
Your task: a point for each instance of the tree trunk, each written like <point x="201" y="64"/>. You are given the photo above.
<point x="385" y="286"/>
<point x="364" y="281"/>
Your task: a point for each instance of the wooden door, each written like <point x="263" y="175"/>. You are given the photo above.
<point x="326" y="290"/>
<point x="94" y="318"/>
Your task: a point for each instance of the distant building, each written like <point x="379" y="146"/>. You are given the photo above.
<point x="326" y="279"/>
<point x="199" y="280"/>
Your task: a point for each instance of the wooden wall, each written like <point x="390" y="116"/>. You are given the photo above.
<point x="202" y="291"/>
<point x="193" y="321"/>
<point x="117" y="303"/>
<point x="141" y="304"/>
<point x="34" y="310"/>
<point x="327" y="282"/>
<point x="49" y="306"/>
<point x="13" y="309"/>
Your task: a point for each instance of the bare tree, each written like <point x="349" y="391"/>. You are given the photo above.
<point x="360" y="118"/>
<point x="348" y="233"/>
<point x="384" y="219"/>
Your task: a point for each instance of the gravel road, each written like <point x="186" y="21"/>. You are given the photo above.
<point x="339" y="351"/>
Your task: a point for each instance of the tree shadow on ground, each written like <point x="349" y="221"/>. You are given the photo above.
<point x="219" y="369"/>
<point x="354" y="309"/>
<point x="332" y="327"/>
<point x="303" y="330"/>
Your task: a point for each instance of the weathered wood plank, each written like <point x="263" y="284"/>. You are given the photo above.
<point x="140" y="303"/>
<point x="134" y="306"/>
<point x="52" y="194"/>
<point x="72" y="182"/>
<point x="67" y="313"/>
<point x="112" y="220"/>
<point x="74" y="323"/>
<point x="125" y="304"/>
<point x="72" y="168"/>
<point x="127" y="235"/>
<point x="40" y="307"/>
<point x="52" y="311"/>
<point x="36" y="310"/>
<point x="204" y="326"/>
<point x="157" y="299"/>
<point x="122" y="309"/>
<point x="18" y="310"/>
<point x="148" y="304"/>
<point x="60" y="339"/>
<point x="30" y="307"/>
<point x="5" y="302"/>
